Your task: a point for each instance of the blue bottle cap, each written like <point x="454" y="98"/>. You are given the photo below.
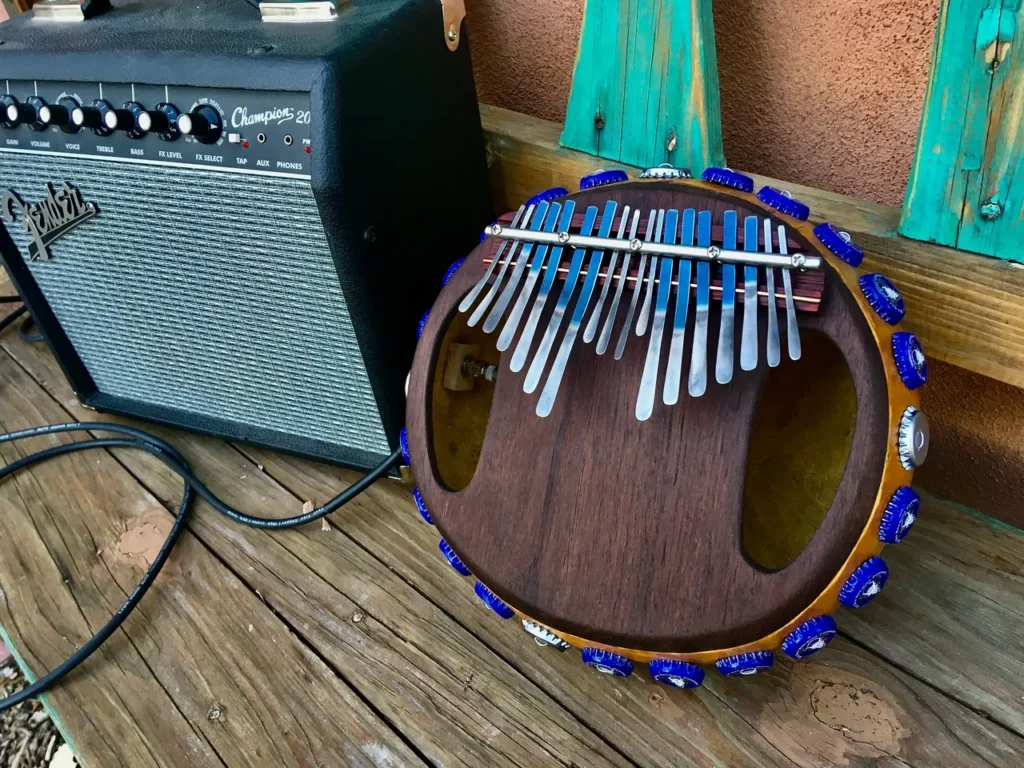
<point x="548" y="195"/>
<point x="783" y="202"/>
<point x="677" y="674"/>
<point x="493" y="602"/>
<point x="607" y="663"/>
<point x="745" y="663"/>
<point x="422" y="324"/>
<point x="453" y="559"/>
<point x="810" y="637"/>
<point x="421" y="505"/>
<point x="727" y="177"/>
<point x="452" y="270"/>
<point x="910" y="359"/>
<point x="840" y="243"/>
<point x="864" y="583"/>
<point x="600" y="178"/>
<point x="899" y="516"/>
<point x="403" y="443"/>
<point x="883" y="297"/>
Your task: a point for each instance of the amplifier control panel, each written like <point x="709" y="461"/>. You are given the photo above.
<point x="263" y="132"/>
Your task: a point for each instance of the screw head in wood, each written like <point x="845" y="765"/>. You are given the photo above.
<point x="991" y="210"/>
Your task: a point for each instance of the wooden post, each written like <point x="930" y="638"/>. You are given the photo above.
<point x="645" y="88"/>
<point x="967" y="183"/>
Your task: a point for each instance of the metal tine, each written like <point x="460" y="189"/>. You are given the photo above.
<point x="595" y="316"/>
<point x="674" y="372"/>
<point x="748" y="342"/>
<point x="645" y="309"/>
<point x="470" y="297"/>
<point x="550" y="273"/>
<point x="773" y="353"/>
<point x="727" y="330"/>
<point x="620" y="347"/>
<point x="792" y="331"/>
<point x="489" y="296"/>
<point x="508" y="332"/>
<point x="609" y="323"/>
<point x="540" y="359"/>
<point x="649" y="380"/>
<point x="539" y="223"/>
<point x="698" y="382"/>
<point x="550" y="391"/>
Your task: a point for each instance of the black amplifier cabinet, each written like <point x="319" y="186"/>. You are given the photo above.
<point x="232" y="225"/>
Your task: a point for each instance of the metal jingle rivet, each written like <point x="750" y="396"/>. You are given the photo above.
<point x="846" y="237"/>
<point x="635" y="244"/>
<point x="563" y="237"/>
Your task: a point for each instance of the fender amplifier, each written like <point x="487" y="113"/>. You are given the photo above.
<point x="231" y="225"/>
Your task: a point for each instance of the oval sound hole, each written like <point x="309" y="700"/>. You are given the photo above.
<point x="801" y="439"/>
<point x="460" y="402"/>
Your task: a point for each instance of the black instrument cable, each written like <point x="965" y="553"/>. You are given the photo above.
<point x="137" y="438"/>
<point x="23" y="332"/>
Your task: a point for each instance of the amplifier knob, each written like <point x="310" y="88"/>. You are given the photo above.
<point x="93" y="116"/>
<point x="16" y="113"/>
<point x="203" y="123"/>
<point x="6" y="101"/>
<point x="164" y="121"/>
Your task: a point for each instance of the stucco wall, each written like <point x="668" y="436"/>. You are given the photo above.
<point x="826" y="93"/>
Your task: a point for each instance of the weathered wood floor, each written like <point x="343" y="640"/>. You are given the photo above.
<point x="357" y="644"/>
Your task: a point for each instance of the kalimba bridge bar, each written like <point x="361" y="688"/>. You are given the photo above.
<point x="598" y="264"/>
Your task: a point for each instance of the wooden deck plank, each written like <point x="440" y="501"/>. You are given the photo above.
<point x="627" y="716"/>
<point x="202" y="673"/>
<point x="312" y="576"/>
<point x="968" y="310"/>
<point x="953" y="610"/>
<point x="437" y="683"/>
<point x="57" y="592"/>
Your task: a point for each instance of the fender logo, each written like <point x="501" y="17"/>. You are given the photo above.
<point x="52" y="217"/>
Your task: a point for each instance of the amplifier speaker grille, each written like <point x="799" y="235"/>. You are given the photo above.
<point x="193" y="291"/>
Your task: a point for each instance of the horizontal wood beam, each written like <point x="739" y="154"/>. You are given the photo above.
<point x="968" y="310"/>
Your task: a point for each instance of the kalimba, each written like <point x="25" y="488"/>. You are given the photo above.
<point x="667" y="421"/>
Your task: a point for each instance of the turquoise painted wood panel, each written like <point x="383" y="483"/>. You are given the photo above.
<point x="645" y="87"/>
<point x="966" y="185"/>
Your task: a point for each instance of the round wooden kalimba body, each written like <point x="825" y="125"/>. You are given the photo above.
<point x="721" y="527"/>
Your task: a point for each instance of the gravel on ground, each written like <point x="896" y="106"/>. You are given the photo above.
<point x="28" y="737"/>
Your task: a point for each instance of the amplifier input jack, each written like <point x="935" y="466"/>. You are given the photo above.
<point x="261" y="138"/>
<point x="288" y="140"/>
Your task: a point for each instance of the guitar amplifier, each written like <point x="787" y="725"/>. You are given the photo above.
<point x="232" y="225"/>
